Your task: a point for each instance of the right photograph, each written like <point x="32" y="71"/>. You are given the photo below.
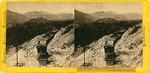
<point x="109" y="34"/>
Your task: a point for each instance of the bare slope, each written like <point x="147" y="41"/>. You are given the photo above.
<point x="62" y="51"/>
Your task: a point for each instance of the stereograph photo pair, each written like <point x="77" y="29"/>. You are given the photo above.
<point x="83" y="35"/>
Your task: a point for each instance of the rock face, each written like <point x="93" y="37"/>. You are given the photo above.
<point x="61" y="46"/>
<point x="27" y="53"/>
<point x="129" y="48"/>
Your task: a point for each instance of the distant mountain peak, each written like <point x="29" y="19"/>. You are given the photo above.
<point x="14" y="18"/>
<point x="50" y="16"/>
<point x="108" y="12"/>
<point x="42" y="12"/>
<point x="118" y="16"/>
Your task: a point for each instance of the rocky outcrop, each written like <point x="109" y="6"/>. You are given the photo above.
<point x="61" y="47"/>
<point x="129" y="48"/>
<point x="27" y="53"/>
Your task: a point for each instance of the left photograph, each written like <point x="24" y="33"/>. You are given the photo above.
<point x="39" y="34"/>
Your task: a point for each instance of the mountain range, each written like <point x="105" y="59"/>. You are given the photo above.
<point x="85" y="18"/>
<point x="14" y="18"/>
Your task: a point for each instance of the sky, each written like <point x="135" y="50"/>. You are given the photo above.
<point x="87" y="7"/>
<point x="119" y="7"/>
<point x="51" y="7"/>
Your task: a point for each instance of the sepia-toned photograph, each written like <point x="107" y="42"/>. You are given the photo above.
<point x="39" y="34"/>
<point x="74" y="34"/>
<point x="109" y="34"/>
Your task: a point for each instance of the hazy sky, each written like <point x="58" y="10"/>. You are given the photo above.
<point x="50" y="7"/>
<point x="119" y="7"/>
<point x="88" y="7"/>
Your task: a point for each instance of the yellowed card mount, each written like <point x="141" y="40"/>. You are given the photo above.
<point x="74" y="36"/>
